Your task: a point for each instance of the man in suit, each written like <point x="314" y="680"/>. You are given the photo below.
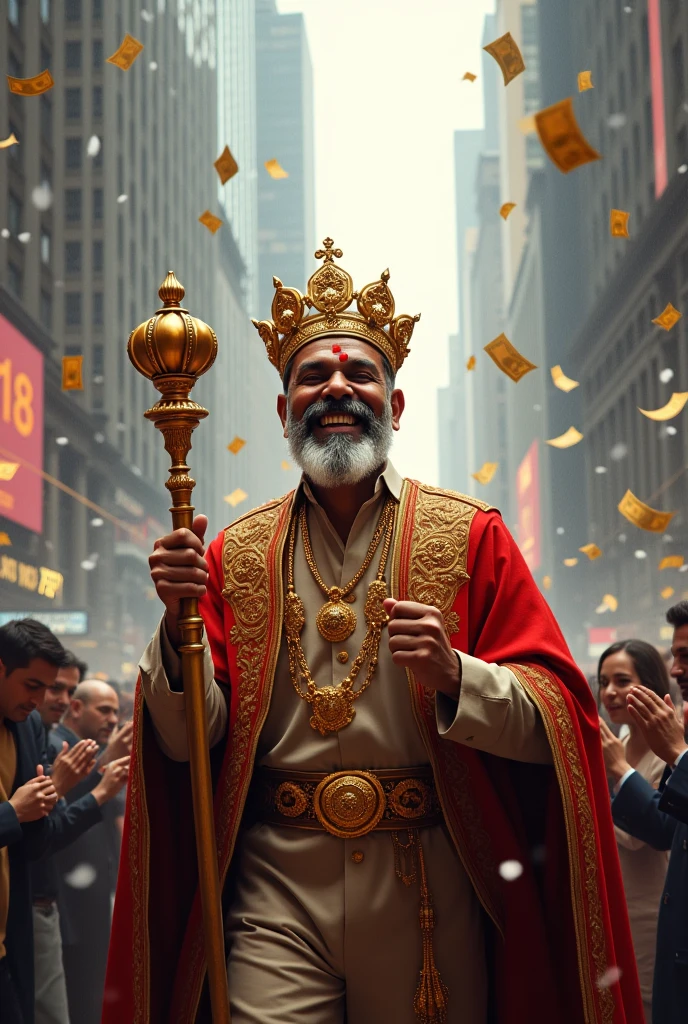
<point x="88" y="867"/>
<point x="31" y="825"/>
<point x="660" y="818"/>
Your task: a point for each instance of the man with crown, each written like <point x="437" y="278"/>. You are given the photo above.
<point x="411" y="808"/>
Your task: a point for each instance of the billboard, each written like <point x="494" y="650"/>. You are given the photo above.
<point x="528" y="495"/>
<point x="62" y="623"/>
<point x="21" y="428"/>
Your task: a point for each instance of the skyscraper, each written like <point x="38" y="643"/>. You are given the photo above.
<point x="286" y="207"/>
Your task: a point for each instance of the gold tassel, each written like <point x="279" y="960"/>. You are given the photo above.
<point x="432" y="995"/>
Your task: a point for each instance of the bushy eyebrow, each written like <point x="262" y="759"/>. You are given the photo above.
<point x="355" y="363"/>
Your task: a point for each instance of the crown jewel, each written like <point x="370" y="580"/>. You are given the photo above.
<point x="330" y="293"/>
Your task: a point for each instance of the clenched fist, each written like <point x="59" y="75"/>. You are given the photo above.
<point x="179" y="569"/>
<point x="418" y="641"/>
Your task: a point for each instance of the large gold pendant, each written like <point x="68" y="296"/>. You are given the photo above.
<point x="336" y="620"/>
<point x="333" y="709"/>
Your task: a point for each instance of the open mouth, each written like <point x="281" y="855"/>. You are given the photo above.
<point x="338" y="419"/>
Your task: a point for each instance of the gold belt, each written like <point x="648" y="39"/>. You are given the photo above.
<point x="347" y="804"/>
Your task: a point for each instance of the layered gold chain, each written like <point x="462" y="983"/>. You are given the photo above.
<point x="333" y="706"/>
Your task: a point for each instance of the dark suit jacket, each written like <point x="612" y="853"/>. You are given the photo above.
<point x="660" y="818"/>
<point x="31" y="841"/>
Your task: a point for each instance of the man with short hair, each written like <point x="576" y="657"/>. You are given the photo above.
<point x="660" y="818"/>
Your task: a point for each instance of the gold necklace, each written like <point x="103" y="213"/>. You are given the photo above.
<point x="336" y="620"/>
<point x="333" y="706"/>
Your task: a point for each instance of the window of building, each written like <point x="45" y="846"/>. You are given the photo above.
<point x="648" y="125"/>
<point x="645" y="43"/>
<point x="73" y="309"/>
<point x="682" y="146"/>
<point x="73" y="257"/>
<point x="651" y="192"/>
<point x="120" y="238"/>
<point x="98" y="204"/>
<point x="98" y="158"/>
<point x="678" y="71"/>
<point x="73" y="55"/>
<point x="73" y="350"/>
<point x="73" y="148"/>
<point x="45" y="11"/>
<point x="46" y="176"/>
<point x="97" y="53"/>
<point x="98" y="357"/>
<point x="14" y="213"/>
<point x="14" y="279"/>
<point x="633" y="68"/>
<point x="72" y="10"/>
<point x="97" y="309"/>
<point x="46" y="309"/>
<point x="97" y="14"/>
<point x="626" y="172"/>
<point x="97" y="259"/>
<point x="45" y="247"/>
<point x="97" y="104"/>
<point x="72" y="204"/>
<point x="13" y="12"/>
<point x="46" y="119"/>
<point x="120" y="113"/>
<point x="622" y="92"/>
<point x="73" y="103"/>
<point x="637" y="150"/>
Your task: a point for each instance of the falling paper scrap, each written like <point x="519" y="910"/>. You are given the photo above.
<point x="470" y="365"/>
<point x="561" y="381"/>
<point x="666" y="592"/>
<point x="285" y="464"/>
<point x="82" y="876"/>
<point x="505" y="209"/>
<point x="8" y="470"/>
<point x="31" y="86"/>
<point x="666" y="375"/>
<point x="510" y="870"/>
<point x="668" y="317"/>
<point x="235" y="445"/>
<point x="71" y="373"/>
<point x="225" y="165"/>
<point x="11" y="140"/>
<point x="562" y="138"/>
<point x="126" y="53"/>
<point x="236" y="497"/>
<point x="585" y="81"/>
<point x="509" y="359"/>
<point x="5" y="541"/>
<point x="609" y="978"/>
<point x="469" y="77"/>
<point x="671" y="562"/>
<point x="42" y="196"/>
<point x="486" y="472"/>
<point x="570" y="562"/>
<point x="618" y="223"/>
<point x="641" y="515"/>
<point x="668" y="411"/>
<point x="93" y="146"/>
<point x="210" y="221"/>
<point x="547" y="582"/>
<point x="507" y="54"/>
<point x="275" y="170"/>
<point x="611" y="602"/>
<point x="591" y="550"/>
<point x="567" y="440"/>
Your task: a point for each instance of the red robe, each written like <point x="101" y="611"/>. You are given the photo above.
<point x="557" y="928"/>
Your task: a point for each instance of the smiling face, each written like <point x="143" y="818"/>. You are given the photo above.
<point x="59" y="695"/>
<point x="24" y="689"/>
<point x="340" y="410"/>
<point x="617" y="675"/>
<point x="679" y="668"/>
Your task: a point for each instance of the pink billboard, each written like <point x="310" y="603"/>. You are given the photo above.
<point x="21" y="428"/>
<point x="528" y="495"/>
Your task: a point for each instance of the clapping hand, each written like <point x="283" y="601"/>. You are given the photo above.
<point x="657" y="720"/>
<point x="36" y="798"/>
<point x="119" y="744"/>
<point x="71" y="766"/>
<point x="614" y="753"/>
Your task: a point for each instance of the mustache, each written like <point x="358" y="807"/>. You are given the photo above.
<point x="329" y="406"/>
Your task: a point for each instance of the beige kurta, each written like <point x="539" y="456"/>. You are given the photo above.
<point x="314" y="936"/>
<point x="643" y="870"/>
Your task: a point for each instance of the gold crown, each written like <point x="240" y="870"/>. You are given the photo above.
<point x="331" y="292"/>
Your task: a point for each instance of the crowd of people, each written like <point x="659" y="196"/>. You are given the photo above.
<point x="65" y="743"/>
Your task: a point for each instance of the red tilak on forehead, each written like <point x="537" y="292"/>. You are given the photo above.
<point x="336" y="348"/>
<point x="343" y="356"/>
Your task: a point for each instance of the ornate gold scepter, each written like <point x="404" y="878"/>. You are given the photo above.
<point x="173" y="349"/>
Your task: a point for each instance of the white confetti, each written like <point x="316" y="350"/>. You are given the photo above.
<point x="683" y="168"/>
<point x="510" y="870"/>
<point x="619" y="451"/>
<point x="136" y="471"/>
<point x="42" y="196"/>
<point x="640" y="554"/>
<point x="153" y="66"/>
<point x="62" y="440"/>
<point x="87" y="564"/>
<point x="684" y="568"/>
<point x="561" y="531"/>
<point x="123" y="198"/>
<point x="609" y="978"/>
<point x="602" y="608"/>
<point x="5" y="232"/>
<point x="81" y="877"/>
<point x="616" y="120"/>
<point x="97" y="521"/>
<point x="24" y="237"/>
<point x="622" y="538"/>
<point x="671" y="431"/>
<point x="666" y="375"/>
<point x="93" y="146"/>
<point x="600" y="469"/>
<point x="147" y="16"/>
<point x="99" y="438"/>
<point x="537" y="408"/>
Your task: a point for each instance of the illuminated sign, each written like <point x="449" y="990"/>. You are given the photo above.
<point x="528" y="495"/>
<point x="599" y="639"/>
<point x="21" y="428"/>
<point x="38" y="579"/>
<point x="61" y="623"/>
<point x="654" y="31"/>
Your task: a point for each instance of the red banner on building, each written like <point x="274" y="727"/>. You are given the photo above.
<point x="654" y="31"/>
<point x="21" y="428"/>
<point x="528" y="492"/>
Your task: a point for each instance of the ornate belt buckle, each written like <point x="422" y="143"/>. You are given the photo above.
<point x="349" y="804"/>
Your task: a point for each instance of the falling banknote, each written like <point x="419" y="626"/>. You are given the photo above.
<point x="570" y="562"/>
<point x="642" y="516"/>
<point x="275" y="170"/>
<point x="585" y="81"/>
<point x="671" y="562"/>
<point x="31" y="86"/>
<point x="562" y="138"/>
<point x="210" y="221"/>
<point x="618" y="224"/>
<point x="505" y="209"/>
<point x="591" y="550"/>
<point x="566" y="440"/>
<point x="11" y="140"/>
<point x="668" y="317"/>
<point x="561" y="381"/>
<point x="126" y="53"/>
<point x="508" y="56"/>
<point x="235" y="445"/>
<point x="486" y="472"/>
<point x="470" y="365"/>
<point x="71" y="373"/>
<point x="666" y="593"/>
<point x="509" y="359"/>
<point x="469" y="77"/>
<point x="668" y="411"/>
<point x="225" y="165"/>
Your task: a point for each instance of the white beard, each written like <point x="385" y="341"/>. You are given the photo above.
<point x="340" y="459"/>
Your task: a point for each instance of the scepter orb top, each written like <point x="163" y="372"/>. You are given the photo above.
<point x="172" y="343"/>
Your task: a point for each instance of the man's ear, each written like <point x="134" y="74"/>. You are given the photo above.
<point x="75" y="706"/>
<point x="282" y="409"/>
<point x="398" y="403"/>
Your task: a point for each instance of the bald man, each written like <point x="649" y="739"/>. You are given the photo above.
<point x="89" y="866"/>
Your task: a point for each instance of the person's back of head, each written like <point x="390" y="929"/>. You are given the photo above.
<point x="30" y="656"/>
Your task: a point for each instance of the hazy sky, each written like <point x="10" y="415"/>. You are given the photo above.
<point x="388" y="98"/>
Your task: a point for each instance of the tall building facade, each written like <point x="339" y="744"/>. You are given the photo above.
<point x="284" y="107"/>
